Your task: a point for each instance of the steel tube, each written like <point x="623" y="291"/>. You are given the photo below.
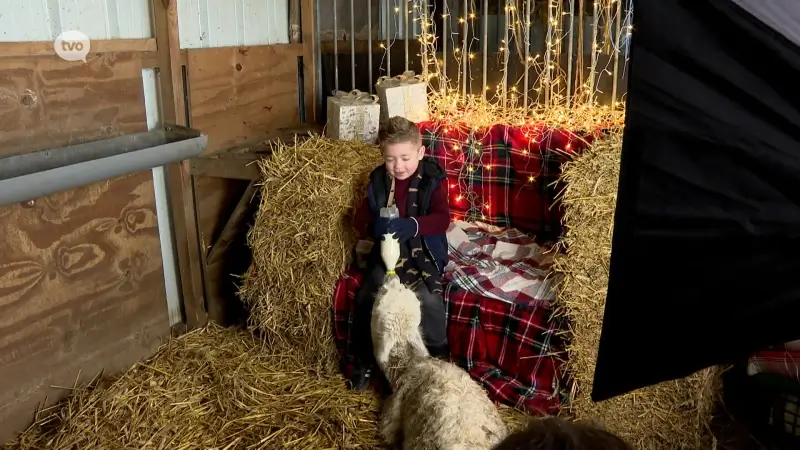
<point x="335" y="48"/>
<point x="37" y="174"/>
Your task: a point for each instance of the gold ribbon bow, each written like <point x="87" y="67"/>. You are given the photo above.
<point x="355" y="97"/>
<point x="407" y="77"/>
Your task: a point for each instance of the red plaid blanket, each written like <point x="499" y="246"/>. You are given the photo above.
<point x="498" y="307"/>
<point x="503" y="175"/>
<point x="783" y="360"/>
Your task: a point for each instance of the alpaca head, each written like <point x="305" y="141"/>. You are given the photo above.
<point x="396" y="319"/>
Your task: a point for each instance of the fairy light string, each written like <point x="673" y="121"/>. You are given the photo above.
<point x="534" y="103"/>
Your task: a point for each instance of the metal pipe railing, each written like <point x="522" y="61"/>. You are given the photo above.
<point x="389" y="39"/>
<point x="445" y="39"/>
<point x="352" y="46"/>
<point x="406" y="30"/>
<point x="485" y="47"/>
<point x="37" y="174"/>
<point x="570" y="49"/>
<point x="506" y="50"/>
<point x="335" y="48"/>
<point x="617" y="48"/>
<point x="527" y="62"/>
<point x="465" y="49"/>
<point x="369" y="45"/>
<point x="414" y="20"/>
<point x="595" y="50"/>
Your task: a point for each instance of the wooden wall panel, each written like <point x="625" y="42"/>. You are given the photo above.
<point x="237" y="95"/>
<point x="46" y="102"/>
<point x="81" y="281"/>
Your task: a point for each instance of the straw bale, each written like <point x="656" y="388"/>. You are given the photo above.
<point x="214" y="388"/>
<point x="302" y="241"/>
<point x="670" y="415"/>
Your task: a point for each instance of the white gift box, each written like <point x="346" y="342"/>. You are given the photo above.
<point x="405" y="95"/>
<point x="353" y="116"/>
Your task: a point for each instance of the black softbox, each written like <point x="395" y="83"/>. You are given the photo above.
<point x="705" y="263"/>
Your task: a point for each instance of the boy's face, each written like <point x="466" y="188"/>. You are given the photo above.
<point x="402" y="159"/>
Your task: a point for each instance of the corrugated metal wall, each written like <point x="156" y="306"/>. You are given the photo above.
<point x="223" y="23"/>
<point x="203" y="23"/>
<point x="44" y="20"/>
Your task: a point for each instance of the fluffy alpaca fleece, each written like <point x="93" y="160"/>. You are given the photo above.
<point x="396" y="318"/>
<point x="435" y="405"/>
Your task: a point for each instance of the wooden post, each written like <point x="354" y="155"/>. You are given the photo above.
<point x="294" y="22"/>
<point x="181" y="183"/>
<point x="309" y="56"/>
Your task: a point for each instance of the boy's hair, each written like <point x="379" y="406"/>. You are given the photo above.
<point x="398" y="129"/>
<point x="554" y="433"/>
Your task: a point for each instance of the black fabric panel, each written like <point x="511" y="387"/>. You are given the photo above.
<point x="705" y="263"/>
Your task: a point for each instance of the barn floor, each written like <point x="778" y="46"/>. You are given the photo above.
<point x="214" y="388"/>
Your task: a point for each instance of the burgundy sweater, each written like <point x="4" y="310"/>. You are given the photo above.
<point x="435" y="222"/>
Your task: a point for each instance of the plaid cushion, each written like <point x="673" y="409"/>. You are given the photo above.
<point x="783" y="363"/>
<point x="782" y="360"/>
<point x="503" y="175"/>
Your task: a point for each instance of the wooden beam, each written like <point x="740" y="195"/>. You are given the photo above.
<point x="244" y="168"/>
<point x="221" y="309"/>
<point x="46" y="48"/>
<point x="232" y="226"/>
<point x="362" y="46"/>
<point x="294" y="22"/>
<point x="309" y="58"/>
<point x="188" y="184"/>
<point x="169" y="61"/>
<point x="151" y="60"/>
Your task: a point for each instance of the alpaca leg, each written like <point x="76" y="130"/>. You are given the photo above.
<point x="392" y="421"/>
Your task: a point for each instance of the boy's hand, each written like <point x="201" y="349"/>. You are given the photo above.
<point x="403" y="229"/>
<point x="380" y="227"/>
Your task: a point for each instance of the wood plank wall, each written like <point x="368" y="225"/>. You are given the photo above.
<point x="81" y="280"/>
<point x="235" y="95"/>
<point x="81" y="277"/>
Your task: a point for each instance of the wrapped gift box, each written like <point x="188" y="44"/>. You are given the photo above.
<point x="353" y="116"/>
<point x="405" y="95"/>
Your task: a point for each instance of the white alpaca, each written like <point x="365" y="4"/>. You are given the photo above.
<point x="435" y="405"/>
<point x="396" y="318"/>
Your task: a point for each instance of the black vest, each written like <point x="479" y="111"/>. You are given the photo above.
<point x="432" y="175"/>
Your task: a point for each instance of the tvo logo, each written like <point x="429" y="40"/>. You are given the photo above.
<point x="72" y="45"/>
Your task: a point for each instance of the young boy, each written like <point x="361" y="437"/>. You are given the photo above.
<point x="416" y="185"/>
<point x="553" y="433"/>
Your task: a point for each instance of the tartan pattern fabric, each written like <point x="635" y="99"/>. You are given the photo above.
<point x="501" y="176"/>
<point x="500" y="263"/>
<point x="782" y="360"/>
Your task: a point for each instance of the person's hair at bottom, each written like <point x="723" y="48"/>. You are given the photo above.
<point x="553" y="433"/>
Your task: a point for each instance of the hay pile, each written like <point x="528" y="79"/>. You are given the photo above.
<point x="302" y="241"/>
<point x="214" y="388"/>
<point x="670" y="415"/>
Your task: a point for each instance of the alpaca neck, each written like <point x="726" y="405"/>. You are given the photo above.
<point x="400" y="358"/>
